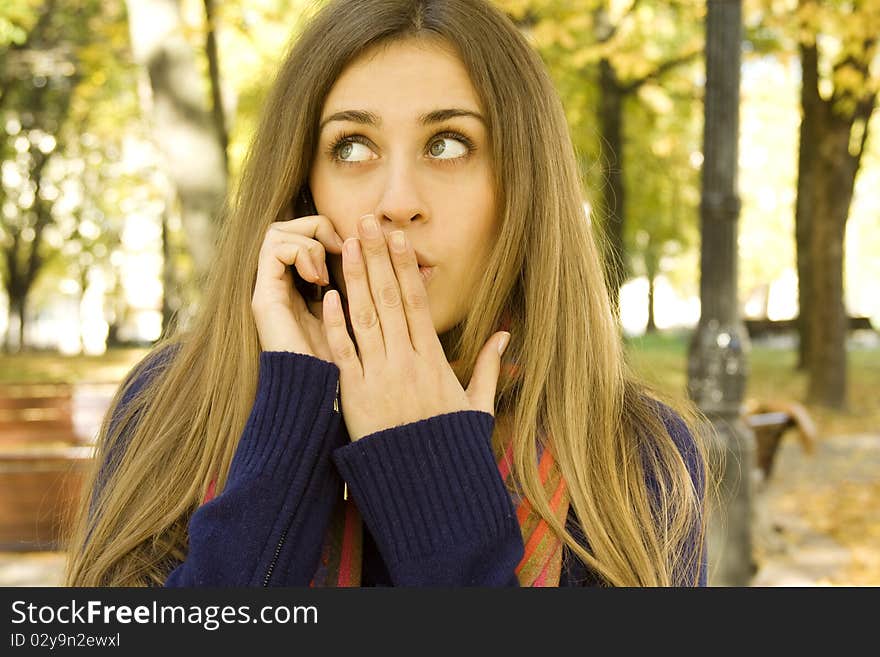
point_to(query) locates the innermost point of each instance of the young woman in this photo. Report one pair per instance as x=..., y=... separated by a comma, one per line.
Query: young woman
x=371, y=434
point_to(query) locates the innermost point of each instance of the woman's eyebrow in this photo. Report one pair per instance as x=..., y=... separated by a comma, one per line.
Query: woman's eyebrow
x=372, y=119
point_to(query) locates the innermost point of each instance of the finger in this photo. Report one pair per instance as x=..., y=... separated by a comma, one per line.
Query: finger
x=414, y=294
x=484, y=380
x=362, y=312
x=384, y=287
x=308, y=253
x=321, y=230
x=341, y=346
x=315, y=226
x=274, y=280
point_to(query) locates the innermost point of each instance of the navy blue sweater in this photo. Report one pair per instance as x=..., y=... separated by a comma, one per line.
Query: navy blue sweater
x=435, y=508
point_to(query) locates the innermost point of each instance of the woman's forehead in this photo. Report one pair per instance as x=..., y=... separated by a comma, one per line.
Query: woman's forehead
x=403, y=82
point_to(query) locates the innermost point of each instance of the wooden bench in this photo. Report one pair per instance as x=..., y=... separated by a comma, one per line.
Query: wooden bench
x=761, y=326
x=38, y=488
x=35, y=414
x=46, y=444
x=770, y=421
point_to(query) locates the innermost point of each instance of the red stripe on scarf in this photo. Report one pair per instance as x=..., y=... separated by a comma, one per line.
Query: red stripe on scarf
x=542, y=527
x=210, y=494
x=543, y=469
x=347, y=545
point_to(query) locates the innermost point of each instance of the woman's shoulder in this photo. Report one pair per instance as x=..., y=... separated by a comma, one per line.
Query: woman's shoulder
x=133, y=382
x=682, y=434
x=157, y=359
x=159, y=356
x=675, y=424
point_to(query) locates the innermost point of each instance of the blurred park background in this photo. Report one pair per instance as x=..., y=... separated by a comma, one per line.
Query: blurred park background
x=122, y=124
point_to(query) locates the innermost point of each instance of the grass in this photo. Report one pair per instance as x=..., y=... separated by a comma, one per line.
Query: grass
x=661, y=360
x=51, y=367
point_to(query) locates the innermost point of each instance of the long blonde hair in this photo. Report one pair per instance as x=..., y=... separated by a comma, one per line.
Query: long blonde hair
x=544, y=272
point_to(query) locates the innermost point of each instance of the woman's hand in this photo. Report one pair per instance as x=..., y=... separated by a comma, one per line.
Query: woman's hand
x=401, y=374
x=284, y=322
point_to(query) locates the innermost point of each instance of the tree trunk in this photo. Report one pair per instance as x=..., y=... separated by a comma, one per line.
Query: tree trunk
x=117, y=310
x=651, y=268
x=169, y=278
x=7, y=337
x=717, y=357
x=810, y=106
x=17, y=288
x=184, y=128
x=837, y=155
x=18, y=308
x=216, y=88
x=83, y=285
x=612, y=192
x=836, y=166
x=12, y=285
x=23, y=259
x=827, y=356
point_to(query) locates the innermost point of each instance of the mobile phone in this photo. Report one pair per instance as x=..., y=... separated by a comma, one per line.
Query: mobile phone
x=303, y=205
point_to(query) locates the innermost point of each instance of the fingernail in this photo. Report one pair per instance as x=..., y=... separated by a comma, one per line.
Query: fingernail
x=339, y=241
x=502, y=343
x=326, y=274
x=352, y=247
x=370, y=226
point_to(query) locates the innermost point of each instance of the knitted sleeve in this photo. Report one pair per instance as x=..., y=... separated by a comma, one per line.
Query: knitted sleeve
x=266, y=526
x=432, y=496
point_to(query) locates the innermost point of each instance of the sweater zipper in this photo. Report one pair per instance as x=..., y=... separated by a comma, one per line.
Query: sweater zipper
x=336, y=408
x=286, y=529
x=275, y=557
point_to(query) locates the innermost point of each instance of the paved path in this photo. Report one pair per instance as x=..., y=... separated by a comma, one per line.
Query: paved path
x=31, y=568
x=818, y=517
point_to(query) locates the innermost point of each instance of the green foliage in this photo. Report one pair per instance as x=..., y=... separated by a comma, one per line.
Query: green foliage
x=662, y=181
x=67, y=93
x=252, y=37
x=664, y=120
x=16, y=19
x=655, y=51
x=846, y=35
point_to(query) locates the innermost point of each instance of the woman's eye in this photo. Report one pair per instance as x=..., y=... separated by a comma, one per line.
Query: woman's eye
x=455, y=151
x=344, y=150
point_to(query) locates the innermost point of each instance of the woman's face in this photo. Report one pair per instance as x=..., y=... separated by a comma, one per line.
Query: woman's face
x=401, y=137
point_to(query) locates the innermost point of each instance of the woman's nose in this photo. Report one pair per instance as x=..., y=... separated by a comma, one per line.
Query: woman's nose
x=401, y=201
